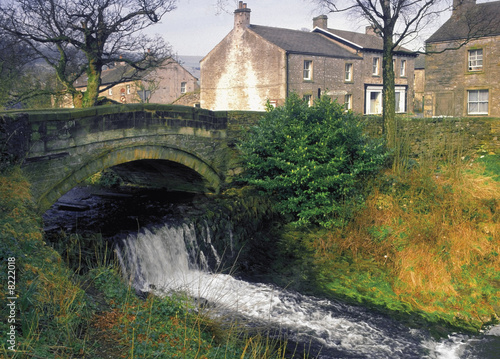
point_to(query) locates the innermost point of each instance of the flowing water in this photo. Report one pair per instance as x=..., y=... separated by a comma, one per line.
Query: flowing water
x=169, y=259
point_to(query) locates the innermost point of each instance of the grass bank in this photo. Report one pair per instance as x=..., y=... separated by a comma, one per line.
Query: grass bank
x=425, y=247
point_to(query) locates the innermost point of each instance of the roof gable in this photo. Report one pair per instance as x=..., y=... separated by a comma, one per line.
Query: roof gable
x=475, y=21
x=302, y=42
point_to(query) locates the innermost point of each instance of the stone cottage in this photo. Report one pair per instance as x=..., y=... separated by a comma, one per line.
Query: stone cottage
x=462, y=73
x=254, y=64
x=169, y=83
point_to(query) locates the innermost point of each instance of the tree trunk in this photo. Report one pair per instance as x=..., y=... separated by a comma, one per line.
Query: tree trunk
x=388, y=94
x=78, y=99
x=93, y=83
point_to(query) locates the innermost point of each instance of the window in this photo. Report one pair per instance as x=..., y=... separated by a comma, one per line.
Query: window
x=110, y=91
x=348, y=72
x=307, y=70
x=348, y=102
x=307, y=99
x=476, y=60
x=128, y=89
x=402, y=70
x=376, y=63
x=183, y=87
x=373, y=100
x=477, y=102
x=373, y=95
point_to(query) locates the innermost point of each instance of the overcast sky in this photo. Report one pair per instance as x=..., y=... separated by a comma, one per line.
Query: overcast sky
x=195, y=27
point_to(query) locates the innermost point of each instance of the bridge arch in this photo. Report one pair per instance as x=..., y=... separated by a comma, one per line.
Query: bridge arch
x=117, y=156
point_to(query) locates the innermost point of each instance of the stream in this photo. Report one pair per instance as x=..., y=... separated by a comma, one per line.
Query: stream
x=174, y=255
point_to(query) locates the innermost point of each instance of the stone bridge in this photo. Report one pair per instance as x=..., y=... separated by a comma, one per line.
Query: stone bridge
x=163, y=146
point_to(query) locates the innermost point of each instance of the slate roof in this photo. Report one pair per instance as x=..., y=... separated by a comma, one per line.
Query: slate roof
x=302, y=42
x=362, y=41
x=475, y=21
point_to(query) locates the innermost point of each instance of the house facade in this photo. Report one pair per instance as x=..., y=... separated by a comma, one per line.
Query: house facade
x=254, y=64
x=169, y=83
x=462, y=72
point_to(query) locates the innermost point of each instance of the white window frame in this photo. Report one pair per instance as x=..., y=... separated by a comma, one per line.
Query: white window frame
x=376, y=66
x=307, y=70
x=110, y=91
x=373, y=108
x=348, y=72
x=480, y=104
x=183, y=87
x=376, y=107
x=475, y=60
x=402, y=70
x=348, y=102
x=128, y=89
x=308, y=98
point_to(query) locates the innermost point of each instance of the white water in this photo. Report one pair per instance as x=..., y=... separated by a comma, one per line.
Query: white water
x=168, y=259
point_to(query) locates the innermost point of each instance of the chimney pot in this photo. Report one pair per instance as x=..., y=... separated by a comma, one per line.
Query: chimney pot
x=242, y=16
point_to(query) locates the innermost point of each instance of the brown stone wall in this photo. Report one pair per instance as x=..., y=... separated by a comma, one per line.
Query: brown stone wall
x=448, y=78
x=328, y=78
x=440, y=135
x=242, y=72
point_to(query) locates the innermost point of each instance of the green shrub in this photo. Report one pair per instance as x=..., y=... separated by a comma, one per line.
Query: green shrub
x=311, y=159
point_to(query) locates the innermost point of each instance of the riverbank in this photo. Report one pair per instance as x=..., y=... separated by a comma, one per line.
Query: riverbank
x=440, y=226
x=424, y=248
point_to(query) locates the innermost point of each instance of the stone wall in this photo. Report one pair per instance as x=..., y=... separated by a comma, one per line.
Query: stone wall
x=438, y=135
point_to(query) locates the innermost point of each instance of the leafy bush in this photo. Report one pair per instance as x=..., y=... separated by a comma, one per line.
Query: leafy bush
x=311, y=159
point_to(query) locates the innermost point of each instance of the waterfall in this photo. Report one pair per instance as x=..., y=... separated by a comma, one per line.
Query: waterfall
x=171, y=259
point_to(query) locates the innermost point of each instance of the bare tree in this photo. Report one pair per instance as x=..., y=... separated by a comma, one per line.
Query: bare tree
x=396, y=22
x=79, y=37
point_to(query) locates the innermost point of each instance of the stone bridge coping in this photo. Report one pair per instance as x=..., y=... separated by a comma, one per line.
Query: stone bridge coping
x=171, y=111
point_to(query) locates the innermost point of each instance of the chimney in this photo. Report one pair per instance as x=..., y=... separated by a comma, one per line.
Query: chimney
x=242, y=15
x=462, y=5
x=321, y=22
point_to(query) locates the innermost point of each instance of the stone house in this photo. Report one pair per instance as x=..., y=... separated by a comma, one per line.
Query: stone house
x=462, y=73
x=170, y=83
x=254, y=64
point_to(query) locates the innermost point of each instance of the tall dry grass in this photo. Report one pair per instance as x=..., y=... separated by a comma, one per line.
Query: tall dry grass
x=435, y=230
